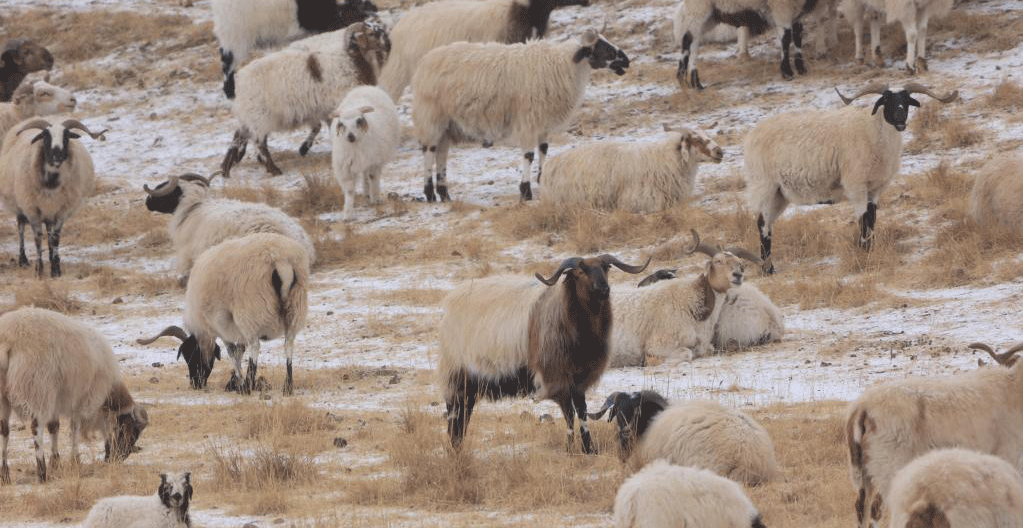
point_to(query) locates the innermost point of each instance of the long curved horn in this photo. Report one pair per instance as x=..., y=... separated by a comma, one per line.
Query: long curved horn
x=919, y=88
x=1005, y=358
x=76, y=124
x=608, y=404
x=172, y=330
x=38, y=124
x=701, y=247
x=874, y=88
x=172, y=184
x=744, y=254
x=193, y=177
x=611, y=259
x=566, y=264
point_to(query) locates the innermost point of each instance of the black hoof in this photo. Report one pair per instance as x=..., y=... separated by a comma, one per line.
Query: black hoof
x=695, y=80
x=786, y=71
x=55, y=269
x=800, y=66
x=304, y=149
x=229, y=86
x=234, y=384
x=23, y=261
x=428, y=192
x=442, y=190
x=525, y=192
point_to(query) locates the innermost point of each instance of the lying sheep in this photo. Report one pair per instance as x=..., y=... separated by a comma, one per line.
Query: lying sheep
x=892, y=423
x=493, y=92
x=199, y=222
x=168, y=508
x=44, y=178
x=826, y=156
x=242, y=291
x=957, y=487
x=663, y=495
x=39, y=99
x=434, y=24
x=701, y=434
x=998, y=192
x=912, y=14
x=18, y=59
x=365, y=132
x=52, y=366
x=636, y=177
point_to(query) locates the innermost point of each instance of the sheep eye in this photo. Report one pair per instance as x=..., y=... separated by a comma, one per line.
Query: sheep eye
x=360, y=122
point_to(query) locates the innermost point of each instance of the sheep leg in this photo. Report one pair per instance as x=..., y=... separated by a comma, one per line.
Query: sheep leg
x=309, y=140
x=786, y=39
x=289, y=350
x=22, y=258
x=442, y=169
x=37, y=232
x=226, y=64
x=769, y=212
x=429, y=160
x=687, y=64
x=53, y=242
x=909, y=26
x=525, y=193
x=565, y=401
x=855, y=17
x=543, y=155
x=349, y=191
x=236, y=352
x=921, y=44
x=797, y=40
x=579, y=399
x=76, y=431
x=235, y=152
x=267, y=160
x=875, y=40
x=867, y=220
x=373, y=185
x=53, y=427
x=459, y=412
x=250, y=374
x=5, y=432
x=37, y=440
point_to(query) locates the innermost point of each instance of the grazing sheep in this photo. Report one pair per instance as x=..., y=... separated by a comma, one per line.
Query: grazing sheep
x=506, y=336
x=826, y=156
x=39, y=99
x=301, y=86
x=912, y=14
x=44, y=178
x=892, y=423
x=365, y=132
x=957, y=487
x=636, y=177
x=493, y=92
x=52, y=366
x=675, y=316
x=434, y=24
x=701, y=434
x=168, y=508
x=199, y=222
x=664, y=495
x=18, y=59
x=243, y=25
x=998, y=192
x=242, y=291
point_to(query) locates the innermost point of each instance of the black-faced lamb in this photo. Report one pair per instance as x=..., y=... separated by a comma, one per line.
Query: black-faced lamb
x=243, y=25
x=826, y=156
x=998, y=192
x=365, y=132
x=39, y=99
x=509, y=336
x=701, y=434
x=46, y=174
x=636, y=177
x=913, y=15
x=243, y=291
x=494, y=92
x=53, y=367
x=18, y=59
x=167, y=508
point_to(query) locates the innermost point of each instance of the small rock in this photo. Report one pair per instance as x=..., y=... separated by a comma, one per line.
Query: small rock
x=154, y=380
x=265, y=396
x=395, y=379
x=249, y=525
x=340, y=442
x=806, y=362
x=117, y=300
x=544, y=418
x=434, y=403
x=157, y=364
x=330, y=312
x=278, y=521
x=825, y=364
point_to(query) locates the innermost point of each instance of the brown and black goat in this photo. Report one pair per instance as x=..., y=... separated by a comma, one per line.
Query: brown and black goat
x=18, y=59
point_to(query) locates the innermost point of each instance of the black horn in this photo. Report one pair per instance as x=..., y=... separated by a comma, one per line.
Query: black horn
x=566, y=265
x=611, y=259
x=701, y=247
x=608, y=404
x=76, y=124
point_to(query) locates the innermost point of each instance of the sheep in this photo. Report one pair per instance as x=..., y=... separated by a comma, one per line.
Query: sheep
x=701, y=434
x=301, y=86
x=664, y=495
x=242, y=291
x=505, y=336
x=18, y=59
x=365, y=132
x=998, y=191
x=912, y=14
x=637, y=177
x=695, y=17
x=199, y=222
x=441, y=22
x=826, y=156
x=44, y=179
x=957, y=487
x=491, y=92
x=243, y=25
x=168, y=508
x=669, y=317
x=39, y=99
x=892, y=423
x=52, y=366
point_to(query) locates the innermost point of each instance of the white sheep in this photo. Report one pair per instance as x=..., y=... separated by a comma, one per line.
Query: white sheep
x=892, y=423
x=365, y=133
x=636, y=177
x=168, y=508
x=199, y=222
x=243, y=25
x=998, y=192
x=242, y=291
x=38, y=99
x=45, y=177
x=664, y=495
x=912, y=14
x=495, y=92
x=748, y=318
x=826, y=156
x=53, y=367
x=957, y=487
x=434, y=24
x=299, y=86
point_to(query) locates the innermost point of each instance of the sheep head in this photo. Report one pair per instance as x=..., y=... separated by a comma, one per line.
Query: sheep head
x=43, y=99
x=694, y=145
x=1006, y=359
x=724, y=270
x=351, y=125
x=175, y=492
x=587, y=277
x=129, y=420
x=25, y=56
x=368, y=47
x=896, y=104
x=55, y=145
x=633, y=411
x=166, y=197
x=351, y=11
x=601, y=53
x=199, y=367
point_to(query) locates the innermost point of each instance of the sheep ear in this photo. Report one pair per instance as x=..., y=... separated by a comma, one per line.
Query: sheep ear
x=366, y=109
x=163, y=478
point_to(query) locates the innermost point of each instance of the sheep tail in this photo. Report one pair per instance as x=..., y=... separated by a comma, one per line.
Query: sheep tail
x=283, y=281
x=854, y=433
x=5, y=353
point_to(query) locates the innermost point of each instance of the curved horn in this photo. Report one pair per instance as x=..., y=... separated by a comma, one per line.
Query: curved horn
x=140, y=415
x=744, y=254
x=608, y=404
x=76, y=124
x=38, y=124
x=919, y=88
x=172, y=330
x=701, y=247
x=611, y=259
x=566, y=264
x=172, y=184
x=193, y=177
x=874, y=88
x=1005, y=358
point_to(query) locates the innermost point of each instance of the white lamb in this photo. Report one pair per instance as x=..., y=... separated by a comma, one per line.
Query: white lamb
x=168, y=508
x=37, y=99
x=365, y=132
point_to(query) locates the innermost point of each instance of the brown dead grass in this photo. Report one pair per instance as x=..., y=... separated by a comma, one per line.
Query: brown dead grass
x=319, y=194
x=989, y=32
x=932, y=129
x=1007, y=94
x=48, y=294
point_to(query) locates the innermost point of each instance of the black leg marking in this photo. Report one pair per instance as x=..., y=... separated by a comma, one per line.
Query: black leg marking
x=867, y=225
x=683, y=64
x=543, y=148
x=309, y=140
x=565, y=402
x=268, y=162
x=289, y=387
x=22, y=257
x=695, y=81
x=459, y=415
x=53, y=240
x=861, y=501
x=37, y=232
x=442, y=187
x=797, y=39
x=428, y=190
x=765, y=245
x=786, y=68
x=579, y=400
x=40, y=460
x=53, y=428
x=250, y=378
x=525, y=192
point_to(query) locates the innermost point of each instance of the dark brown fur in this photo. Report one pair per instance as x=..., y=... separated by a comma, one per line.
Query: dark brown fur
x=313, y=65
x=18, y=59
x=119, y=400
x=704, y=289
x=930, y=517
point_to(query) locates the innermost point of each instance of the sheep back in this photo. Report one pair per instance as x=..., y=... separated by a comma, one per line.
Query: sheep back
x=998, y=192
x=132, y=512
x=241, y=24
x=380, y=144
x=748, y=318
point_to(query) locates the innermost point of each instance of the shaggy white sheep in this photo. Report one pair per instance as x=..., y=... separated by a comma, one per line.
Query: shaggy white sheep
x=912, y=14
x=365, y=134
x=38, y=99
x=168, y=508
x=998, y=192
x=748, y=318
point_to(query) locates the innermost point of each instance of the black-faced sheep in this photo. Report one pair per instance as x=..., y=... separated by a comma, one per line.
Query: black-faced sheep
x=18, y=59
x=168, y=508
x=40, y=99
x=998, y=192
x=494, y=92
x=912, y=14
x=52, y=366
x=365, y=133
x=509, y=336
x=827, y=156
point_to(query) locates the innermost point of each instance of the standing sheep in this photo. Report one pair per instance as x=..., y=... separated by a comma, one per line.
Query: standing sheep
x=39, y=99
x=168, y=508
x=826, y=156
x=912, y=14
x=492, y=92
x=998, y=193
x=18, y=59
x=636, y=177
x=52, y=366
x=365, y=134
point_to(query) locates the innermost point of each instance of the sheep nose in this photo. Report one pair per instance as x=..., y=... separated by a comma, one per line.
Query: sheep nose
x=176, y=496
x=351, y=137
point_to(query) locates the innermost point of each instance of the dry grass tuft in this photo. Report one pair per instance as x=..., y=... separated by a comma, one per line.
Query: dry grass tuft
x=262, y=468
x=931, y=129
x=290, y=418
x=48, y=294
x=320, y=194
x=1006, y=95
x=266, y=194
